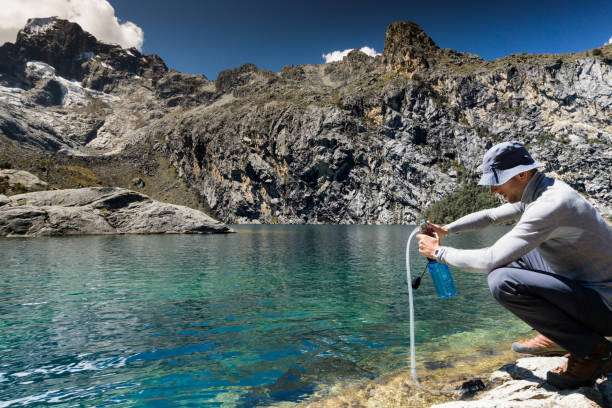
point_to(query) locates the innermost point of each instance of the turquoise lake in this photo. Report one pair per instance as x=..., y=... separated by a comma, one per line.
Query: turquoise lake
x=268, y=314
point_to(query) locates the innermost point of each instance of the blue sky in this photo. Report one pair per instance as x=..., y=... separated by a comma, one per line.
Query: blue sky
x=205, y=37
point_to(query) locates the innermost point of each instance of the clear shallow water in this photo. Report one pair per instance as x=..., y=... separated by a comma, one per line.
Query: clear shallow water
x=244, y=319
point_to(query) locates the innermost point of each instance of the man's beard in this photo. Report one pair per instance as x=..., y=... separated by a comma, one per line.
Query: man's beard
x=501, y=198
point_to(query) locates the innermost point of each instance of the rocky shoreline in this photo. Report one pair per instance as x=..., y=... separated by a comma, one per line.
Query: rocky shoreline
x=523, y=384
x=518, y=384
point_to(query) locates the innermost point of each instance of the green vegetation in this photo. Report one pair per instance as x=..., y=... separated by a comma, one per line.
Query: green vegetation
x=510, y=108
x=467, y=199
x=95, y=107
x=7, y=189
x=438, y=98
x=446, y=165
x=4, y=185
x=546, y=138
x=596, y=141
x=336, y=100
x=484, y=133
x=81, y=175
x=462, y=66
x=395, y=77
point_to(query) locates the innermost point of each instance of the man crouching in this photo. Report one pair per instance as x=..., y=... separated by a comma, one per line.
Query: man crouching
x=553, y=269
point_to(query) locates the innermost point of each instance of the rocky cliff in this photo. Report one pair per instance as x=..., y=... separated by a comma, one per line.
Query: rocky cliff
x=363, y=140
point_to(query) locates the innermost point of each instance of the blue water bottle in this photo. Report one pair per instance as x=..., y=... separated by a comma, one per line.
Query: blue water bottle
x=442, y=279
x=441, y=276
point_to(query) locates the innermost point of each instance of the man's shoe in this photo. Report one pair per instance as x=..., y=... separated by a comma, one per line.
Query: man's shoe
x=578, y=372
x=538, y=346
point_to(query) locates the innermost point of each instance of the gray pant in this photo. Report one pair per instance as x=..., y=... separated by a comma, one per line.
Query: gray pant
x=563, y=310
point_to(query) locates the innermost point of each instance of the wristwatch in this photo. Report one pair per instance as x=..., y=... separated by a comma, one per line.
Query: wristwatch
x=437, y=253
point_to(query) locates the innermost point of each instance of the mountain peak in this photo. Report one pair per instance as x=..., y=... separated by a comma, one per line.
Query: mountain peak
x=38, y=25
x=53, y=31
x=76, y=54
x=408, y=48
x=59, y=43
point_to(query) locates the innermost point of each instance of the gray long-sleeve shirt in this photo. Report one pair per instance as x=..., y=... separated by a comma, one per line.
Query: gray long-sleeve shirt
x=569, y=233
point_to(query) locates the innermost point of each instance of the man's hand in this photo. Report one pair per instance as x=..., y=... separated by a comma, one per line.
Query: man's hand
x=427, y=244
x=441, y=231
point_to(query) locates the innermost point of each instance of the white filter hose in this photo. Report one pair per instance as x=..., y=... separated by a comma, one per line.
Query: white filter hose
x=412, y=346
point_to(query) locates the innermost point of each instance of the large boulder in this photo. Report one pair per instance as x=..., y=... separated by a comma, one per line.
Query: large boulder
x=98, y=211
x=20, y=181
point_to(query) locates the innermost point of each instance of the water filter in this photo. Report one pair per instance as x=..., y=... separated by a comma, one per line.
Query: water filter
x=441, y=276
x=442, y=279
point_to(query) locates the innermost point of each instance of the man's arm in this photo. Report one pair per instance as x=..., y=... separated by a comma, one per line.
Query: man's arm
x=533, y=229
x=477, y=220
x=484, y=218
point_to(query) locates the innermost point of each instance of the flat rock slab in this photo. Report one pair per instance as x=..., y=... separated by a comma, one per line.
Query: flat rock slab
x=105, y=210
x=523, y=385
x=26, y=180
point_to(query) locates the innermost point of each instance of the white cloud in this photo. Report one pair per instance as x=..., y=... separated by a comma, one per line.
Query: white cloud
x=94, y=16
x=609, y=41
x=338, y=55
x=369, y=51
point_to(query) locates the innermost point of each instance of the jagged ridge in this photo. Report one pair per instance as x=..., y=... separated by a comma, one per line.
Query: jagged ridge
x=361, y=140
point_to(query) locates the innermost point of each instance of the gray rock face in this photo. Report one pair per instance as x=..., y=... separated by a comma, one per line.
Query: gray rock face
x=363, y=140
x=523, y=385
x=24, y=179
x=377, y=145
x=295, y=165
x=98, y=211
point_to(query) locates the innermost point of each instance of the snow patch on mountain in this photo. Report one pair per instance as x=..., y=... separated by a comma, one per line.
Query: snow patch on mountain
x=11, y=96
x=38, y=26
x=39, y=69
x=85, y=56
x=73, y=92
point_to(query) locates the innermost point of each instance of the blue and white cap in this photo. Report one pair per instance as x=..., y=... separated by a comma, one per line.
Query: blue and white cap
x=504, y=161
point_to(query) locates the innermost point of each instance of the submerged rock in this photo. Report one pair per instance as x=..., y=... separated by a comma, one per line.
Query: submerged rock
x=89, y=211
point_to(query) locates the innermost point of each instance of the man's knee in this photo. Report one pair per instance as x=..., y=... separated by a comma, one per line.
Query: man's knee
x=502, y=284
x=495, y=280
